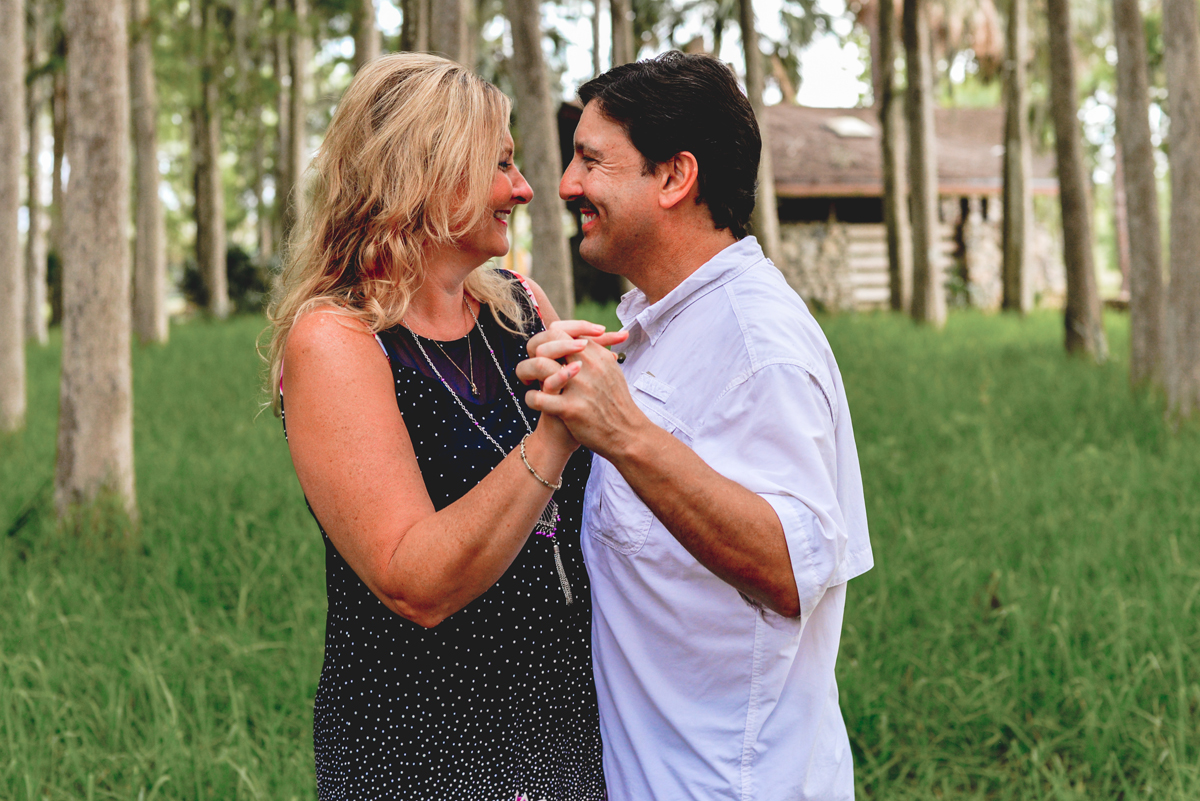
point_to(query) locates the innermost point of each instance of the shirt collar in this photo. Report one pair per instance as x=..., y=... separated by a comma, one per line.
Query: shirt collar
x=714, y=273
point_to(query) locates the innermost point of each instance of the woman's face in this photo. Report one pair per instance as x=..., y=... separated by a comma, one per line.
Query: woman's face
x=509, y=188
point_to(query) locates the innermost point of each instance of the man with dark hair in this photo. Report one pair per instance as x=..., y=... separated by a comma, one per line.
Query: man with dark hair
x=725, y=510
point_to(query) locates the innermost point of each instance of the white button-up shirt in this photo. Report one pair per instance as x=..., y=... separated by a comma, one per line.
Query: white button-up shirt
x=702, y=696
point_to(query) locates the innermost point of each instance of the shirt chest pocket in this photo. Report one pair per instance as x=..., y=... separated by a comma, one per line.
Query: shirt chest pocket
x=613, y=513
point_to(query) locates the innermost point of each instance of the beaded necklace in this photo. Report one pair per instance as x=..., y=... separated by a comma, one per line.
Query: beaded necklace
x=547, y=522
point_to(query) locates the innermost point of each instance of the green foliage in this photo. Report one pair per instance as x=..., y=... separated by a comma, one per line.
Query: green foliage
x=1028, y=632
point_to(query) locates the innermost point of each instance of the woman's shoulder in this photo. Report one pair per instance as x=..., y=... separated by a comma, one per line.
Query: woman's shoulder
x=330, y=335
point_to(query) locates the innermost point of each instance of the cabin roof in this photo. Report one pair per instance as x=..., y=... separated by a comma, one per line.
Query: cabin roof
x=831, y=152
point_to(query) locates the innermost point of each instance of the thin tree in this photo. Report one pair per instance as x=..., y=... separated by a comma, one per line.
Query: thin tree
x=366, y=32
x=299, y=51
x=150, y=250
x=414, y=33
x=538, y=130
x=1141, y=196
x=929, y=297
x=283, y=179
x=12, y=270
x=206, y=154
x=765, y=218
x=1181, y=40
x=35, y=238
x=58, y=126
x=449, y=30
x=895, y=182
x=596, y=6
x=1084, y=329
x=624, y=48
x=1017, y=218
x=95, y=425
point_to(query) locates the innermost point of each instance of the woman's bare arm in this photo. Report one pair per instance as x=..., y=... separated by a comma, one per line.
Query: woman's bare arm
x=356, y=464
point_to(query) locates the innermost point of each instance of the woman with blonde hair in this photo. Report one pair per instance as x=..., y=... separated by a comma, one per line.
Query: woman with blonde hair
x=457, y=655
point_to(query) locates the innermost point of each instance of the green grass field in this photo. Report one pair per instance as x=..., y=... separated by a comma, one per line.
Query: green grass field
x=1029, y=631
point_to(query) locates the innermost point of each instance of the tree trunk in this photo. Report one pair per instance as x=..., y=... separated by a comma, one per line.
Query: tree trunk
x=537, y=127
x=624, y=49
x=298, y=58
x=58, y=119
x=414, y=35
x=764, y=219
x=283, y=118
x=1146, y=339
x=1181, y=40
x=12, y=268
x=895, y=183
x=929, y=296
x=210, y=192
x=35, y=239
x=95, y=425
x=366, y=32
x=596, y=6
x=1084, y=328
x=1121, y=218
x=449, y=30
x=1017, y=217
x=150, y=250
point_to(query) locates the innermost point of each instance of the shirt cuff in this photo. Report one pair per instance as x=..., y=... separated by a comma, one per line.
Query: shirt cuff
x=814, y=552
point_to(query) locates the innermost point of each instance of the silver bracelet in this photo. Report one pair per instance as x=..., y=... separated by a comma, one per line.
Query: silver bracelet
x=528, y=466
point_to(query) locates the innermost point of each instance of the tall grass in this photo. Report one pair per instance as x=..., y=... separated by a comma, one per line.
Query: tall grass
x=1029, y=630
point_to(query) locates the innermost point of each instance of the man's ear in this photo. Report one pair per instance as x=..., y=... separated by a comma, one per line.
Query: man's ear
x=677, y=178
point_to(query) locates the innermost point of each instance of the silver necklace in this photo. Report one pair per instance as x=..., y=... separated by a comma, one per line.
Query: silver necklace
x=470, y=355
x=547, y=522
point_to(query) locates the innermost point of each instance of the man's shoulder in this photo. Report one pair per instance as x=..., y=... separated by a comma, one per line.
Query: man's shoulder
x=776, y=324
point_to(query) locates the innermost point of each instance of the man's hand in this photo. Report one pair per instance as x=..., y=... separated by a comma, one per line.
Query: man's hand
x=597, y=408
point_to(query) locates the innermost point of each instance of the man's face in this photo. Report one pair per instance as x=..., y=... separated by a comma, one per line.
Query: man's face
x=619, y=201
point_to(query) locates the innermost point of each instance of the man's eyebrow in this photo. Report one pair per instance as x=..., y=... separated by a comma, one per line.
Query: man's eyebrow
x=587, y=150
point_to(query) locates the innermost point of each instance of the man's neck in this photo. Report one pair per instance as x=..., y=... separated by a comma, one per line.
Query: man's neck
x=676, y=258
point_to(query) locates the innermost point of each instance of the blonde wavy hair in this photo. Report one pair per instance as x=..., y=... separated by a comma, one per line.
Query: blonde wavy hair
x=407, y=163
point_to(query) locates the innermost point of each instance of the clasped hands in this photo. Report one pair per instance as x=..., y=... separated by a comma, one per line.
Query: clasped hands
x=588, y=393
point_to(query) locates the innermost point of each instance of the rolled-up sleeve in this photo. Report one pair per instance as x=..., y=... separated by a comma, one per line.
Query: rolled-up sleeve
x=773, y=433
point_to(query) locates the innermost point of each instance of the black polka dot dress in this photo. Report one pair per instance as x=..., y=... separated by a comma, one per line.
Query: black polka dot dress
x=496, y=703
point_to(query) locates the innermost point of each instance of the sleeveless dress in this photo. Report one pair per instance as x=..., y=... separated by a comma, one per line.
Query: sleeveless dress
x=497, y=702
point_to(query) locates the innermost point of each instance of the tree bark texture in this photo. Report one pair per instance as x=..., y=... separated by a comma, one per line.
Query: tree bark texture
x=210, y=192
x=538, y=129
x=893, y=142
x=1146, y=308
x=366, y=33
x=414, y=33
x=449, y=29
x=1084, y=329
x=12, y=266
x=929, y=296
x=764, y=219
x=299, y=54
x=1017, y=218
x=35, y=239
x=95, y=427
x=150, y=248
x=624, y=49
x=1181, y=39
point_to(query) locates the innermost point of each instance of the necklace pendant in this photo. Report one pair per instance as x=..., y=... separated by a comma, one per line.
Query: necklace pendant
x=562, y=575
x=474, y=390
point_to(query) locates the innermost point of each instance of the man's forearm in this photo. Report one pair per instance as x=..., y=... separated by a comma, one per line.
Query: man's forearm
x=726, y=527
